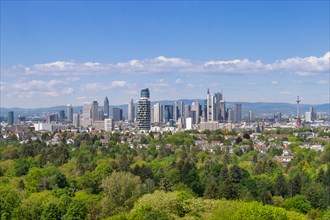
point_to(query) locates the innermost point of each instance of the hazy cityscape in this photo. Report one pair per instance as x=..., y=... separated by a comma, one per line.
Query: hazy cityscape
x=164, y=110
x=212, y=114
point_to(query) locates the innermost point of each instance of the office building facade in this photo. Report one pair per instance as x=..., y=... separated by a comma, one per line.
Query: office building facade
x=106, y=108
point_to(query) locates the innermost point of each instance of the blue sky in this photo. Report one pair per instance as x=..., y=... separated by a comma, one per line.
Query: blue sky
x=55, y=53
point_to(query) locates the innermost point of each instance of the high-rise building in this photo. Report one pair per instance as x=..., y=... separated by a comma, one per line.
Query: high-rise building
x=308, y=116
x=189, y=123
x=157, y=110
x=251, y=116
x=108, y=124
x=70, y=113
x=52, y=118
x=86, y=119
x=237, y=113
x=187, y=110
x=143, y=111
x=101, y=114
x=117, y=114
x=176, y=112
x=61, y=115
x=10, y=118
x=210, y=108
x=313, y=113
x=21, y=118
x=95, y=111
x=231, y=115
x=181, y=109
x=168, y=113
x=223, y=111
x=217, y=106
x=204, y=114
x=106, y=108
x=278, y=117
x=131, y=111
x=76, y=120
x=195, y=108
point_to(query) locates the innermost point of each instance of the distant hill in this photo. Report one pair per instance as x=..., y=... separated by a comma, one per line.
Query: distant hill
x=257, y=107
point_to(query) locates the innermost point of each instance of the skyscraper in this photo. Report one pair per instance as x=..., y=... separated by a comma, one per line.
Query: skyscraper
x=313, y=113
x=157, y=110
x=231, y=115
x=61, y=115
x=210, y=111
x=181, y=109
x=204, y=114
x=217, y=106
x=251, y=116
x=131, y=111
x=223, y=111
x=116, y=114
x=75, y=120
x=70, y=113
x=86, y=119
x=195, y=107
x=10, y=118
x=106, y=108
x=95, y=111
x=237, y=113
x=143, y=112
x=176, y=112
x=187, y=110
x=101, y=114
x=168, y=113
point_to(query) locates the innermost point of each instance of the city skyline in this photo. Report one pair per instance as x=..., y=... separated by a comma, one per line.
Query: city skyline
x=253, y=51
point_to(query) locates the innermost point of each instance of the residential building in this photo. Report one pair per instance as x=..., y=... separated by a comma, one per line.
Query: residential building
x=143, y=112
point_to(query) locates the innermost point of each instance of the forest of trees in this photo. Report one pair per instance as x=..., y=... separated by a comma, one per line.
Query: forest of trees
x=169, y=178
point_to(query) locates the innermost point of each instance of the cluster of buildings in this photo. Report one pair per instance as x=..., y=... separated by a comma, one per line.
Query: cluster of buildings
x=210, y=114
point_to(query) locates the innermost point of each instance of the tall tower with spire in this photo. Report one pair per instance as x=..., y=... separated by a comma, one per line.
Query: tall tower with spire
x=298, y=115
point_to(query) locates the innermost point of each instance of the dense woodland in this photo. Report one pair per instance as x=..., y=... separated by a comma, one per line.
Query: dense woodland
x=169, y=178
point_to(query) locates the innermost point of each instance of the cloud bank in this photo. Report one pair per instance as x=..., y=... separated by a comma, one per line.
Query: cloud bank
x=307, y=66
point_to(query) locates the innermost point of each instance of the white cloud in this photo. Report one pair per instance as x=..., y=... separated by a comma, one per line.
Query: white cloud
x=178, y=81
x=37, y=88
x=322, y=82
x=97, y=86
x=189, y=85
x=285, y=93
x=274, y=82
x=307, y=66
x=116, y=84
